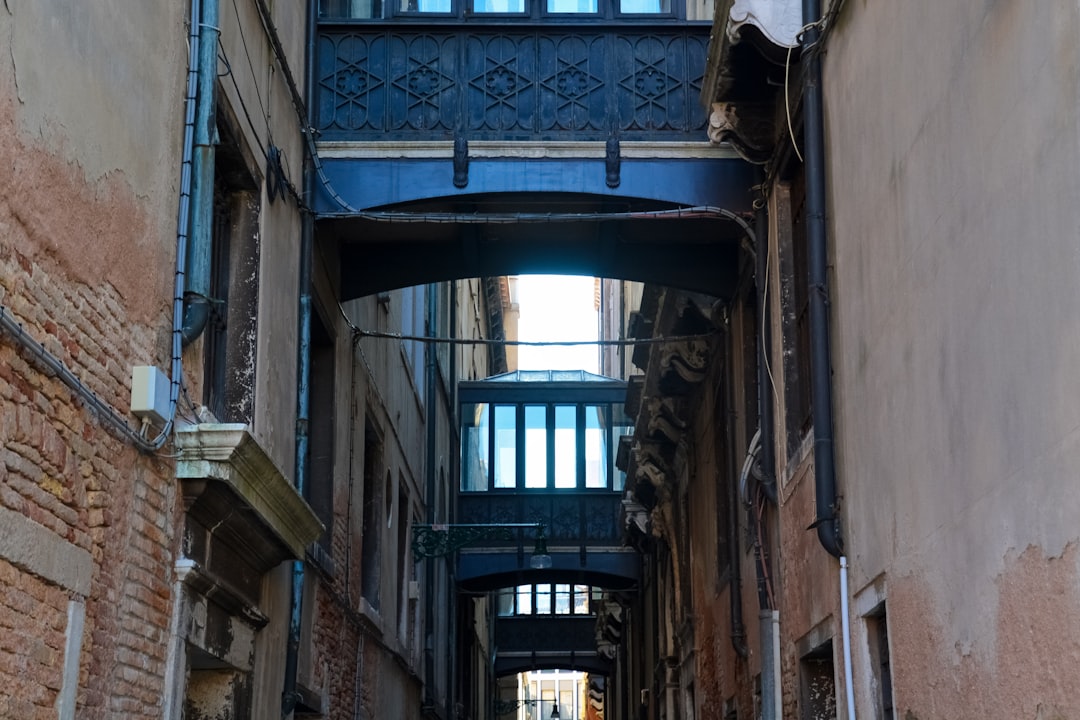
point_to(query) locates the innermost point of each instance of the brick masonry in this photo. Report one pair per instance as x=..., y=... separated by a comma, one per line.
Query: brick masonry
x=61, y=470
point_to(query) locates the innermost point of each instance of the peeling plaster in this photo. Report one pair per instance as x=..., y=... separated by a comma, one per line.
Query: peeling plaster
x=1022, y=664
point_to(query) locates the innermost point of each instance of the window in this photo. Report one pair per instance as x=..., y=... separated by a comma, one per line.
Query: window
x=817, y=685
x=621, y=425
x=566, y=465
x=795, y=316
x=371, y=530
x=597, y=443
x=319, y=489
x=644, y=7
x=499, y=6
x=536, y=469
x=546, y=599
x=413, y=306
x=505, y=446
x=571, y=6
x=425, y=6
x=474, y=447
x=877, y=635
x=404, y=577
x=694, y=10
x=229, y=360
x=540, y=446
x=360, y=9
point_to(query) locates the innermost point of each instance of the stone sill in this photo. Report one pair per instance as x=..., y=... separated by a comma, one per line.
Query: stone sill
x=230, y=455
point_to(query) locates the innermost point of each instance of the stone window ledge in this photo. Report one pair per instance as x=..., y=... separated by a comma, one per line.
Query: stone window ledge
x=232, y=487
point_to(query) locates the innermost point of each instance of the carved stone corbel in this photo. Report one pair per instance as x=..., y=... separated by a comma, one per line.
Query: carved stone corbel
x=749, y=128
x=663, y=419
x=688, y=359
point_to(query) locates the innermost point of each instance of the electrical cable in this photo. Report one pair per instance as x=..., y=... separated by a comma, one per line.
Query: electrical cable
x=254, y=78
x=50, y=363
x=765, y=318
x=696, y=212
x=528, y=343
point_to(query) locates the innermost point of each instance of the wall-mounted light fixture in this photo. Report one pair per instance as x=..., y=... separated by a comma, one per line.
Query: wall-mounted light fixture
x=439, y=540
x=503, y=707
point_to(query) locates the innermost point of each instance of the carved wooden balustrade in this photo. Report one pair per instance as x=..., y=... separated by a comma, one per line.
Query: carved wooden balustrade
x=523, y=83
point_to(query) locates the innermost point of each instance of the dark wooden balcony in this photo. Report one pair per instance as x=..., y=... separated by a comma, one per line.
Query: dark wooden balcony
x=504, y=82
x=538, y=448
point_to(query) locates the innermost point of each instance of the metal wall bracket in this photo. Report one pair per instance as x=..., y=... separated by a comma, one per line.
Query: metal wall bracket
x=612, y=162
x=461, y=162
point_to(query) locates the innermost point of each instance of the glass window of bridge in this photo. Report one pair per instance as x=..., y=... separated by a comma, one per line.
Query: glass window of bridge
x=546, y=599
x=543, y=599
x=644, y=7
x=562, y=446
x=504, y=7
x=694, y=10
x=621, y=425
x=536, y=446
x=474, y=446
x=505, y=446
x=596, y=445
x=572, y=6
x=566, y=446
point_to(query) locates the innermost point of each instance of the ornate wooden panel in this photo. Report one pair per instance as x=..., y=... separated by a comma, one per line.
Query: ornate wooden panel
x=570, y=517
x=493, y=84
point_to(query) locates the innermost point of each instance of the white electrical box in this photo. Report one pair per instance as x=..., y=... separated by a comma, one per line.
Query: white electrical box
x=150, y=394
x=414, y=590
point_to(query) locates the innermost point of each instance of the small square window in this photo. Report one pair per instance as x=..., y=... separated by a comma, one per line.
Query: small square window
x=498, y=7
x=645, y=7
x=572, y=6
x=426, y=6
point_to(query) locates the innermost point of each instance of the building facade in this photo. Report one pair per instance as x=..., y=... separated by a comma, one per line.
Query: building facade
x=249, y=250
x=242, y=552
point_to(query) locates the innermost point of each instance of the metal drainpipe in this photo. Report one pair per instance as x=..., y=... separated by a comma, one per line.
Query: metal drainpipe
x=197, y=292
x=303, y=395
x=432, y=510
x=827, y=520
x=738, y=628
x=766, y=419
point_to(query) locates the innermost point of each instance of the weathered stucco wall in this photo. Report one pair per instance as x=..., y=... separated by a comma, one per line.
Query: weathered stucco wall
x=89, y=146
x=953, y=144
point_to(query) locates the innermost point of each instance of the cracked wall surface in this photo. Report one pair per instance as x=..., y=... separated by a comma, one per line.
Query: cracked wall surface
x=89, y=153
x=953, y=144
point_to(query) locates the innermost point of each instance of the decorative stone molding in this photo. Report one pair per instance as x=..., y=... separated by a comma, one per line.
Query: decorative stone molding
x=688, y=359
x=650, y=466
x=778, y=21
x=635, y=515
x=663, y=419
x=748, y=127
x=243, y=516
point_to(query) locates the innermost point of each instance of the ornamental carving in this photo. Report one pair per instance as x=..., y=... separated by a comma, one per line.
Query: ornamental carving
x=530, y=84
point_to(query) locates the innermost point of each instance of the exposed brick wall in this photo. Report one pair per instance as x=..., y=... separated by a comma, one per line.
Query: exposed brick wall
x=61, y=469
x=33, y=617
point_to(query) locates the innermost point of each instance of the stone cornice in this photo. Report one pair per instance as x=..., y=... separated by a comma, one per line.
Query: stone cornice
x=229, y=454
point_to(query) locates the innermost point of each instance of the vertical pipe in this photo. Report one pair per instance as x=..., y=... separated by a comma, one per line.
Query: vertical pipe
x=431, y=368
x=764, y=338
x=196, y=295
x=778, y=690
x=767, y=629
x=845, y=626
x=303, y=395
x=827, y=521
x=738, y=629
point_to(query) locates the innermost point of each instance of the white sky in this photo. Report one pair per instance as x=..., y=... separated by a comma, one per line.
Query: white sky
x=557, y=307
